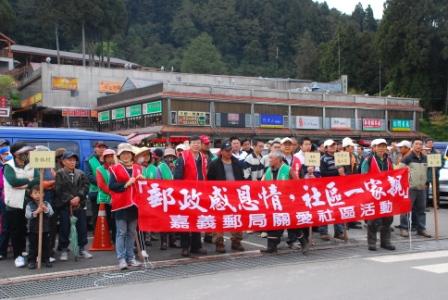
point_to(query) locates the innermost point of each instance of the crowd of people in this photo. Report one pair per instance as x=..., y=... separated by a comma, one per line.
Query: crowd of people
x=109, y=175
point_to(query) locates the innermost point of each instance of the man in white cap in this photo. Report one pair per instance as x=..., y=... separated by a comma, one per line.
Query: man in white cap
x=378, y=161
x=405, y=148
x=328, y=169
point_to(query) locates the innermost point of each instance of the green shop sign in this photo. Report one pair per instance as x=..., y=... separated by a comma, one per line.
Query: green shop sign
x=118, y=113
x=103, y=116
x=134, y=111
x=152, y=108
x=401, y=125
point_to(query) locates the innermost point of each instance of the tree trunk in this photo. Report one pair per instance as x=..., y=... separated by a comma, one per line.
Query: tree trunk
x=83, y=44
x=108, y=55
x=56, y=33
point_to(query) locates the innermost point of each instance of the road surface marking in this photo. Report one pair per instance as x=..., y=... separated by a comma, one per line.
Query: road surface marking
x=437, y=268
x=409, y=257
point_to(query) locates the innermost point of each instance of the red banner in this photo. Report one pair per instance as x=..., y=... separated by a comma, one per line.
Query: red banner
x=214, y=206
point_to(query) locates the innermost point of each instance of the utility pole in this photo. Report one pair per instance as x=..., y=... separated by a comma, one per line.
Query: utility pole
x=339, y=54
x=379, y=80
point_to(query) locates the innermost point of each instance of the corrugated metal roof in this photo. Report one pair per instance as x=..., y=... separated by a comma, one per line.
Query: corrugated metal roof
x=63, y=54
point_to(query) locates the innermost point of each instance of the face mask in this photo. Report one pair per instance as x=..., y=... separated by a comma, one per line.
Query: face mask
x=7, y=158
x=140, y=160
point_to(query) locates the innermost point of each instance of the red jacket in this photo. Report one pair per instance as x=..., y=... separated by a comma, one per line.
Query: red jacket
x=190, y=170
x=124, y=199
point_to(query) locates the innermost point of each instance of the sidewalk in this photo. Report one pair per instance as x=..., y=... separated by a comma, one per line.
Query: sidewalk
x=106, y=261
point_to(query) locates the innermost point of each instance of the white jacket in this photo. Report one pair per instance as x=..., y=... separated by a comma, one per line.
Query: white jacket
x=15, y=197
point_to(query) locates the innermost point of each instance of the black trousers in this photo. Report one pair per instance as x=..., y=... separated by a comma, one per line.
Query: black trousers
x=17, y=230
x=191, y=240
x=34, y=243
x=383, y=226
x=294, y=234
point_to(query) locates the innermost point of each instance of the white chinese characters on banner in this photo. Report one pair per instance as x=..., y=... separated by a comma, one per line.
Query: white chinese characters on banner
x=304, y=217
x=257, y=220
x=179, y=222
x=191, y=200
x=231, y=221
x=220, y=202
x=273, y=197
x=158, y=197
x=245, y=199
x=281, y=219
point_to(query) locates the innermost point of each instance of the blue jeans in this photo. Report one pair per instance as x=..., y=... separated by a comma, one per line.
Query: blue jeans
x=125, y=238
x=418, y=204
x=338, y=229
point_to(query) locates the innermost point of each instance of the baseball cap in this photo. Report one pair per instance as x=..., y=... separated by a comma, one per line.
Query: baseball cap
x=286, y=140
x=329, y=142
x=377, y=142
x=277, y=140
x=347, y=142
x=404, y=143
x=226, y=145
x=158, y=152
x=100, y=143
x=69, y=154
x=4, y=142
x=181, y=147
x=108, y=152
x=20, y=147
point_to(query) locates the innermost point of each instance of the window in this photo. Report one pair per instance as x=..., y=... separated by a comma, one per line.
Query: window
x=53, y=145
x=110, y=144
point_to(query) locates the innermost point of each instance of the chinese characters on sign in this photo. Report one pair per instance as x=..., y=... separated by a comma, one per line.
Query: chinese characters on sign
x=239, y=205
x=42, y=159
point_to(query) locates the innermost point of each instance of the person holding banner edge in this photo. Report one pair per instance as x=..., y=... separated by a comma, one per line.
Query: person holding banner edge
x=278, y=170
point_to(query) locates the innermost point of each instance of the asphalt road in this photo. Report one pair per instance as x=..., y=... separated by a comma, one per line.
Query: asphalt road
x=404, y=276
x=251, y=242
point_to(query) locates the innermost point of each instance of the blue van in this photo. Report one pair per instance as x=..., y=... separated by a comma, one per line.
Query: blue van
x=80, y=142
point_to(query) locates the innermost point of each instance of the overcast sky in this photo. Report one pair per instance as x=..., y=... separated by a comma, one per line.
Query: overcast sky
x=347, y=6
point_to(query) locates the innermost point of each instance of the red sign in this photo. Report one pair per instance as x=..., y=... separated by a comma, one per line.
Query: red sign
x=3, y=102
x=80, y=113
x=214, y=206
x=373, y=124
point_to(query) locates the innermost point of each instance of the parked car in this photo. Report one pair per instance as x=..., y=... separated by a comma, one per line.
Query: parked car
x=443, y=184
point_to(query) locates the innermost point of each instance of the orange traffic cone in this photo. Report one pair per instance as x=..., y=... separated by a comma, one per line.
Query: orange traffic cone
x=101, y=240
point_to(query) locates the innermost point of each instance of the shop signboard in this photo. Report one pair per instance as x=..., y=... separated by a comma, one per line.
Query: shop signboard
x=308, y=122
x=341, y=123
x=400, y=125
x=271, y=121
x=373, y=124
x=152, y=108
x=193, y=118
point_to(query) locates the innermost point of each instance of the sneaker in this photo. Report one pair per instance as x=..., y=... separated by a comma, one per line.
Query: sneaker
x=85, y=254
x=293, y=245
x=1, y=257
x=404, y=233
x=134, y=263
x=144, y=254
x=64, y=256
x=24, y=254
x=122, y=264
x=52, y=259
x=424, y=233
x=264, y=235
x=19, y=262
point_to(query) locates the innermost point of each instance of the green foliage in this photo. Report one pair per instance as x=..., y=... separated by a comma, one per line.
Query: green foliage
x=201, y=56
x=270, y=38
x=7, y=85
x=436, y=127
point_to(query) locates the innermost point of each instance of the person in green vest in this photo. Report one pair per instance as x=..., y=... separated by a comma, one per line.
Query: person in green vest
x=103, y=178
x=90, y=166
x=143, y=157
x=165, y=172
x=279, y=170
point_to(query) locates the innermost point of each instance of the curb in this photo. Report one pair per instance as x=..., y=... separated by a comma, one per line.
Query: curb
x=184, y=261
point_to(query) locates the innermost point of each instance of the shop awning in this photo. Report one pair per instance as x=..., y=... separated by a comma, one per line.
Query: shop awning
x=140, y=137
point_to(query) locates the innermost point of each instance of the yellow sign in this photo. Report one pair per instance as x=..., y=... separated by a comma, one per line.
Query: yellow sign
x=64, y=83
x=36, y=98
x=342, y=158
x=434, y=160
x=42, y=159
x=110, y=87
x=312, y=159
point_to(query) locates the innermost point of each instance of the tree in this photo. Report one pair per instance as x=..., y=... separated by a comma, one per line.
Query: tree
x=370, y=24
x=7, y=17
x=201, y=56
x=307, y=59
x=359, y=16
